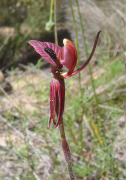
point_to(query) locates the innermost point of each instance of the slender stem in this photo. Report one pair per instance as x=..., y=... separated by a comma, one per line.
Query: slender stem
x=66, y=149
x=93, y=84
x=77, y=46
x=55, y=21
x=51, y=10
x=75, y=28
x=76, y=39
x=82, y=29
x=65, y=146
x=72, y=134
x=86, y=51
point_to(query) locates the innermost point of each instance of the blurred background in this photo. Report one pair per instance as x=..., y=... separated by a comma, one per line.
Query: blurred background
x=95, y=124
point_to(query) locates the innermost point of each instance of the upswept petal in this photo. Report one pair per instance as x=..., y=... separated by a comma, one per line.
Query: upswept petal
x=66, y=75
x=40, y=46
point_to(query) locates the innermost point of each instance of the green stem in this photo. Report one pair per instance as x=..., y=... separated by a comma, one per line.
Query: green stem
x=66, y=149
x=55, y=21
x=86, y=51
x=93, y=84
x=51, y=10
x=75, y=28
x=77, y=46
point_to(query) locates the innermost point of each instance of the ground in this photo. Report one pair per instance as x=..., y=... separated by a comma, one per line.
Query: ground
x=30, y=151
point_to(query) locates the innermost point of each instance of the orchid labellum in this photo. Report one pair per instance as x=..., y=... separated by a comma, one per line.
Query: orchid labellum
x=58, y=57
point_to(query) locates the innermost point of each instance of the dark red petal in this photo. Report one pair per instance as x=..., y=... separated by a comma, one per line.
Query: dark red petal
x=53, y=93
x=60, y=100
x=68, y=55
x=87, y=61
x=57, y=98
x=39, y=47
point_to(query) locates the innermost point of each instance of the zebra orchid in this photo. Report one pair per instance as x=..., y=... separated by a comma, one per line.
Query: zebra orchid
x=59, y=57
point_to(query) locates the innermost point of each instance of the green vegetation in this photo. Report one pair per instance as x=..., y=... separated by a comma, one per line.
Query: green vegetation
x=92, y=145
x=95, y=132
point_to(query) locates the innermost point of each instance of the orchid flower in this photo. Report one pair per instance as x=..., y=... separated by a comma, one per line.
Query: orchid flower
x=58, y=57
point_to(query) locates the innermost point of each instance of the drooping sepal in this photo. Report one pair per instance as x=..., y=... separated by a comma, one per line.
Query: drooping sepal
x=57, y=98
